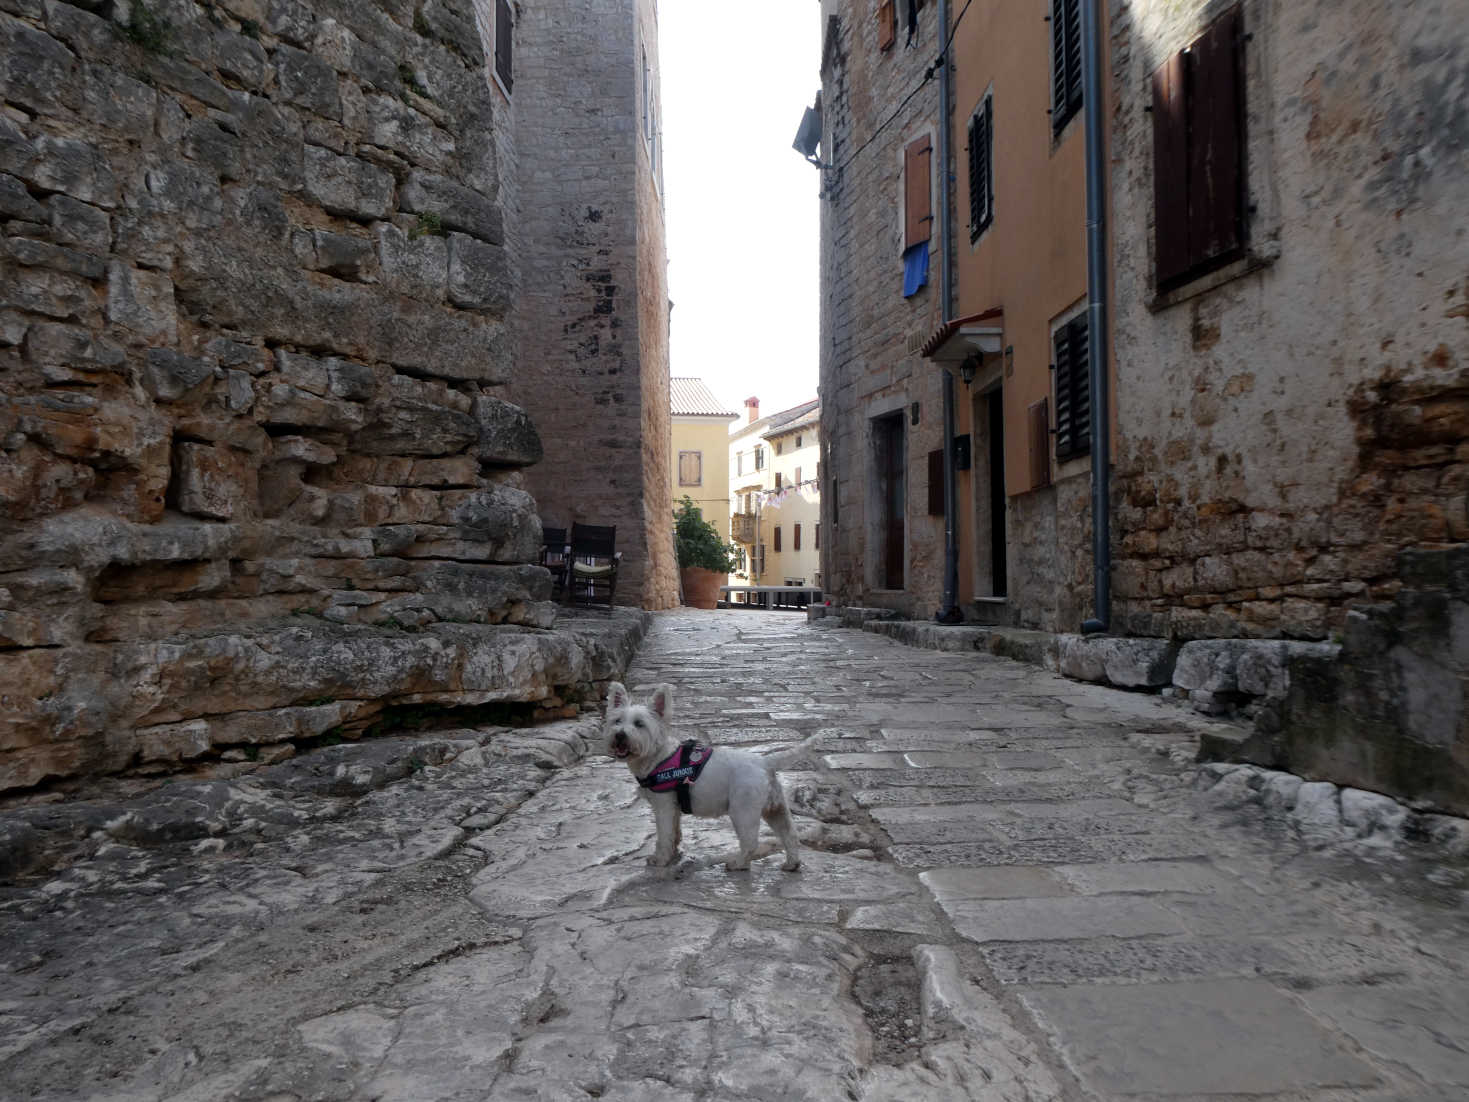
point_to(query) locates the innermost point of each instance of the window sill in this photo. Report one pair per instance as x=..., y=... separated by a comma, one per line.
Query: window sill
x=1209, y=281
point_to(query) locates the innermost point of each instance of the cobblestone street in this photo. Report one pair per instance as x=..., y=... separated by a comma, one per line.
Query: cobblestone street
x=1013, y=888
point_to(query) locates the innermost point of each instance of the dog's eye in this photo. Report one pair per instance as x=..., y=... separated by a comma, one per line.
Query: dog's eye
x=637, y=722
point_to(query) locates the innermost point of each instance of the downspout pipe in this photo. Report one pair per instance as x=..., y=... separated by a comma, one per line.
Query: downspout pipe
x=1096, y=290
x=950, y=612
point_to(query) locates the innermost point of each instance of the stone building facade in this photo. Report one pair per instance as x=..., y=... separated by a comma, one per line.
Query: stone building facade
x=593, y=316
x=259, y=477
x=881, y=401
x=1296, y=413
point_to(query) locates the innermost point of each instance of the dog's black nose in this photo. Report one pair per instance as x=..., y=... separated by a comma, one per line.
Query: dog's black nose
x=619, y=740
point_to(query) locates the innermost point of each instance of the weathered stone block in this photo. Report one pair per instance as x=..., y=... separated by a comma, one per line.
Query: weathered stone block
x=479, y=275
x=39, y=72
x=169, y=375
x=1263, y=669
x=56, y=294
x=404, y=426
x=219, y=483
x=72, y=346
x=504, y=518
x=286, y=405
x=143, y=302
x=306, y=372
x=1209, y=665
x=346, y=185
x=345, y=257
x=214, y=147
x=239, y=391
x=242, y=60
x=353, y=381
x=16, y=201
x=418, y=267
x=307, y=81
x=273, y=135
x=118, y=102
x=228, y=353
x=507, y=436
x=1124, y=662
x=458, y=207
x=32, y=253
x=392, y=124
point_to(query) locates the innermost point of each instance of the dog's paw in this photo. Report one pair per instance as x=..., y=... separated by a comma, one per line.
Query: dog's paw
x=661, y=862
x=735, y=865
x=791, y=864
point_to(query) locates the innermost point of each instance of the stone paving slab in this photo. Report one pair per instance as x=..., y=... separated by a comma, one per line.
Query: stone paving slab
x=1132, y=1040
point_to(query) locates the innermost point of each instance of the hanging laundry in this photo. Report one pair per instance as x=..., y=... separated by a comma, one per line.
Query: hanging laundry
x=915, y=269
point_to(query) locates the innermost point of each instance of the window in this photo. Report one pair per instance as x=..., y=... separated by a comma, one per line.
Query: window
x=798, y=441
x=691, y=468
x=1038, y=417
x=777, y=486
x=887, y=25
x=760, y=560
x=759, y=458
x=739, y=462
x=816, y=538
x=1065, y=62
x=796, y=537
x=917, y=192
x=1072, y=371
x=777, y=539
x=797, y=478
x=1199, y=154
x=502, y=45
x=779, y=446
x=981, y=168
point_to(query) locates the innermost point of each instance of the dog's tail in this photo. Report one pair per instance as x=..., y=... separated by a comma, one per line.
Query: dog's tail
x=784, y=759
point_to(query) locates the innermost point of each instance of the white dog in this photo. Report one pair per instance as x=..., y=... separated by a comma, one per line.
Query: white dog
x=699, y=780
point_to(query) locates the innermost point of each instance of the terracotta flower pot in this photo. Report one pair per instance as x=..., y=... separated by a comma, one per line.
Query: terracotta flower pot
x=701, y=587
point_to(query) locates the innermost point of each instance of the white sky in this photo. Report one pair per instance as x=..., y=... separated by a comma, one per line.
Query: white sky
x=742, y=206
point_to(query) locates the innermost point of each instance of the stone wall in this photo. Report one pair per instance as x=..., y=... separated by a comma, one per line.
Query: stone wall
x=592, y=321
x=258, y=475
x=1291, y=423
x=870, y=333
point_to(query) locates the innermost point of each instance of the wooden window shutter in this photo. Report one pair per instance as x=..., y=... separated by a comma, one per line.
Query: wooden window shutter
x=1170, y=170
x=796, y=537
x=1038, y=416
x=918, y=191
x=1215, y=132
x=502, y=43
x=797, y=477
x=936, y=483
x=816, y=538
x=887, y=25
x=777, y=480
x=1065, y=61
x=1073, y=390
x=690, y=468
x=981, y=168
x=777, y=539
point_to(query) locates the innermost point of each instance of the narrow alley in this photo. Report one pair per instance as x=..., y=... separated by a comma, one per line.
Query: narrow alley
x=1013, y=889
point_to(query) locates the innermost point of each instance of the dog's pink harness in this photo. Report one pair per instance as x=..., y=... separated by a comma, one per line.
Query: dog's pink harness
x=678, y=771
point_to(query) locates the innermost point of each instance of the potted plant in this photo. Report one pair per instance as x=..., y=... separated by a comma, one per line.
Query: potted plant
x=704, y=560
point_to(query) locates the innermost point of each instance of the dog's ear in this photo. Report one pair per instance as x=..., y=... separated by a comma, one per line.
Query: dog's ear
x=662, y=701
x=616, y=696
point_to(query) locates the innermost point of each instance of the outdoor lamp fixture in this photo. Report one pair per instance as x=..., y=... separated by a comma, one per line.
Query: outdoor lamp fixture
x=969, y=367
x=808, y=136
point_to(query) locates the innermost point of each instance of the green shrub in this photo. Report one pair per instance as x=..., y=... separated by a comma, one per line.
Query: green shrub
x=698, y=542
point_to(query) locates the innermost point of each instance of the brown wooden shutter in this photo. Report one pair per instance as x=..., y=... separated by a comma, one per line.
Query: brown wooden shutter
x=1065, y=61
x=816, y=538
x=918, y=192
x=777, y=539
x=796, y=538
x=887, y=26
x=1038, y=417
x=1170, y=169
x=1215, y=130
x=936, y=483
x=502, y=43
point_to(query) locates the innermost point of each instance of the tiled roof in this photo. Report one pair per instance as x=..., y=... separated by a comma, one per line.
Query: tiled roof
x=691, y=398
x=776, y=422
x=805, y=420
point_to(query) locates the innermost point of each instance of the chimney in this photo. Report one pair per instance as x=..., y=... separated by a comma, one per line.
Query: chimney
x=752, y=408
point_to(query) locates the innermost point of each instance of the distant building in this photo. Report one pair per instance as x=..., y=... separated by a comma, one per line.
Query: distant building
x=775, y=497
x=699, y=455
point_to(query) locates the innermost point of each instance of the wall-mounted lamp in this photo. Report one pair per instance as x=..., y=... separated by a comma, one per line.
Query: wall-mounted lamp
x=970, y=367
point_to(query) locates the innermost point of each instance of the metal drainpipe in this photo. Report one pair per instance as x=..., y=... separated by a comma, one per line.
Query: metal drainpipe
x=1096, y=288
x=950, y=611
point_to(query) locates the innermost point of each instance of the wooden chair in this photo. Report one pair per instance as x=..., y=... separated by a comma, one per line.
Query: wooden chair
x=594, y=562
x=555, y=557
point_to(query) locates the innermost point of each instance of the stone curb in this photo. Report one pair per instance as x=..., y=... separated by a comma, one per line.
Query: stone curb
x=1323, y=813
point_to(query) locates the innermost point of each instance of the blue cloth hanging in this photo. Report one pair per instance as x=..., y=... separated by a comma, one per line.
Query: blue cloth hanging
x=915, y=269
